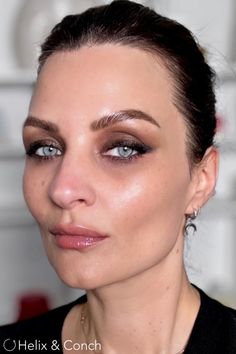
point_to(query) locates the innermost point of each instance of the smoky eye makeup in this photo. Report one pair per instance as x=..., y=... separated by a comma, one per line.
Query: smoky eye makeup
x=124, y=148
x=119, y=146
x=43, y=149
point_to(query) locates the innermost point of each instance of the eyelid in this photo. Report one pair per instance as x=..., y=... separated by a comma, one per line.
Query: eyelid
x=132, y=134
x=33, y=136
x=119, y=143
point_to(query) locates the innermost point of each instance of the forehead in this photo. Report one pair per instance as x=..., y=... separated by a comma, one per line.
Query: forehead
x=109, y=57
x=99, y=79
x=109, y=66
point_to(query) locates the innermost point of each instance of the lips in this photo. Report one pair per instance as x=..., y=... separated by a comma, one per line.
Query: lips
x=70, y=236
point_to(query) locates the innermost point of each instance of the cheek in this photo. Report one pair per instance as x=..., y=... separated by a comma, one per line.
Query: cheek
x=151, y=202
x=34, y=189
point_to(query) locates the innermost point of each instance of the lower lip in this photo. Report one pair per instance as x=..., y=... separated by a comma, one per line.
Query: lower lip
x=78, y=242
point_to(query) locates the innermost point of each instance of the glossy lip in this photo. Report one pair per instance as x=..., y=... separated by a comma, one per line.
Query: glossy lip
x=69, y=236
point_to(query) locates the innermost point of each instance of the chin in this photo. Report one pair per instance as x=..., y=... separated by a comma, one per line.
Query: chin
x=78, y=277
x=77, y=283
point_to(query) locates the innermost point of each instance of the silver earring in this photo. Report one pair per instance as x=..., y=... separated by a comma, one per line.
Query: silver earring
x=189, y=224
x=195, y=213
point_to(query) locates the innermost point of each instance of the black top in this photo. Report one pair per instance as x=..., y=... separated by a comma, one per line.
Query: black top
x=214, y=331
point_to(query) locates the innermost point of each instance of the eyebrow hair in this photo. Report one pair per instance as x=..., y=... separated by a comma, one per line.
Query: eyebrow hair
x=121, y=116
x=41, y=123
x=104, y=122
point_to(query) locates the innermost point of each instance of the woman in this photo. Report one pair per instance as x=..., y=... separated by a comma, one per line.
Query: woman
x=120, y=157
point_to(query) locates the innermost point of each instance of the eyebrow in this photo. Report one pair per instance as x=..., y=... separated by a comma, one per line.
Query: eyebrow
x=41, y=123
x=102, y=123
x=121, y=116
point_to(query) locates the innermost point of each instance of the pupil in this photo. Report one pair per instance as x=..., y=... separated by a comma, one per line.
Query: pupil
x=49, y=150
x=125, y=151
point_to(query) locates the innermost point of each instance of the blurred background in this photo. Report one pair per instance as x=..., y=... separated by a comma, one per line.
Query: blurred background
x=210, y=253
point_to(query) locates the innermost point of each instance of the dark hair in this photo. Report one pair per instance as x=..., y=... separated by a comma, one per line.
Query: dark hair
x=128, y=23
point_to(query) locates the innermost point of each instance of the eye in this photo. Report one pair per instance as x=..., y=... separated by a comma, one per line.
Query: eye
x=44, y=150
x=47, y=151
x=122, y=151
x=125, y=150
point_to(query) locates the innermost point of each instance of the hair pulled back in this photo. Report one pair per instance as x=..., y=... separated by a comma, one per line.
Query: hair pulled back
x=128, y=23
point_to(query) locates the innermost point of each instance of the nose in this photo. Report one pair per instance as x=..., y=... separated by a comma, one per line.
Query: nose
x=72, y=184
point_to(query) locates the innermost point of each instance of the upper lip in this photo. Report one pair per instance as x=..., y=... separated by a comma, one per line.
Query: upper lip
x=74, y=230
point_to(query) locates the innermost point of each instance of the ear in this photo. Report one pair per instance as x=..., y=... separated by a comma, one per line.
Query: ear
x=203, y=180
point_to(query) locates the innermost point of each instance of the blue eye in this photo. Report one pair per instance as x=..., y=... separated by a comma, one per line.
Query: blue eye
x=47, y=151
x=124, y=151
x=44, y=150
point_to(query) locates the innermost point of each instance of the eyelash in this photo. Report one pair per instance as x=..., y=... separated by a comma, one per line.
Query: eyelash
x=133, y=145
x=31, y=151
x=140, y=149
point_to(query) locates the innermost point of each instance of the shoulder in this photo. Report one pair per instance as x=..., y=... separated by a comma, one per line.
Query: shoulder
x=37, y=330
x=216, y=313
x=215, y=328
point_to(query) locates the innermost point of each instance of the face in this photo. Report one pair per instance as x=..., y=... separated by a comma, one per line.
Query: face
x=106, y=152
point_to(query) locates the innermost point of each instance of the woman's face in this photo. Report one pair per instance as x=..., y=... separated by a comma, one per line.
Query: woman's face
x=125, y=177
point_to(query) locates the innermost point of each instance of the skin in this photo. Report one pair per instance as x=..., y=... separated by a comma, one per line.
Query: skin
x=141, y=204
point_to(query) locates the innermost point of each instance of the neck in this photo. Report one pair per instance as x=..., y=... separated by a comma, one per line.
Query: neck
x=141, y=315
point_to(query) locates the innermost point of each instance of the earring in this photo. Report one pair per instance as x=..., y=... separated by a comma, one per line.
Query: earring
x=189, y=224
x=194, y=214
